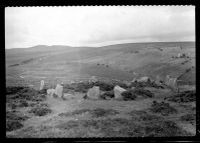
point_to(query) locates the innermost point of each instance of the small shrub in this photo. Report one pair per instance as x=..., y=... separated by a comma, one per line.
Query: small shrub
x=143, y=92
x=100, y=112
x=43, y=91
x=128, y=95
x=13, y=120
x=186, y=96
x=13, y=125
x=107, y=95
x=41, y=110
x=13, y=90
x=10, y=115
x=189, y=118
x=165, y=128
x=23, y=103
x=104, y=86
x=76, y=112
x=164, y=108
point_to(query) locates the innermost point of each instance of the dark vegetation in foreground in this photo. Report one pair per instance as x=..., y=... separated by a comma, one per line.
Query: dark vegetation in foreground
x=162, y=108
x=95, y=113
x=141, y=124
x=84, y=86
x=19, y=97
x=107, y=85
x=40, y=110
x=13, y=120
x=186, y=96
x=190, y=117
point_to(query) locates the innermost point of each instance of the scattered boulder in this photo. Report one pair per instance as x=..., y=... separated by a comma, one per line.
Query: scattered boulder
x=41, y=84
x=94, y=92
x=144, y=79
x=118, y=92
x=59, y=90
x=50, y=92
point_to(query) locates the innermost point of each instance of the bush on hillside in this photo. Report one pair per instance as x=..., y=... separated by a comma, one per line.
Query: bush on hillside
x=13, y=120
x=128, y=95
x=163, y=108
x=146, y=84
x=143, y=92
x=107, y=95
x=185, y=96
x=13, y=90
x=40, y=110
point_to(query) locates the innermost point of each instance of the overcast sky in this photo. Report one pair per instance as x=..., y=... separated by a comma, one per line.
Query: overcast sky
x=96, y=26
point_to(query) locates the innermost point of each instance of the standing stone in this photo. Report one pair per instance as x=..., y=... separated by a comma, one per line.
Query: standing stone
x=59, y=90
x=94, y=92
x=118, y=91
x=41, y=84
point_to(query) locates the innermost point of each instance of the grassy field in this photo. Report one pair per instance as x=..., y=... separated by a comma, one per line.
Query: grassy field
x=153, y=112
x=38, y=116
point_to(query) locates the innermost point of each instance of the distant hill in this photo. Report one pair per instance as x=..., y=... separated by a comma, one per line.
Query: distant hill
x=114, y=61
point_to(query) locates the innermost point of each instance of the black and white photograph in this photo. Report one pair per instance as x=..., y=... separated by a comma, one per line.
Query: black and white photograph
x=100, y=71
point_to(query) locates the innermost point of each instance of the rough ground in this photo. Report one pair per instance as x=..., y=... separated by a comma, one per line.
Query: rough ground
x=76, y=117
x=32, y=115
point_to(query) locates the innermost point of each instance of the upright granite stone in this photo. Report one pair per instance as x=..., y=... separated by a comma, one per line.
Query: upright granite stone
x=41, y=84
x=59, y=90
x=94, y=92
x=118, y=91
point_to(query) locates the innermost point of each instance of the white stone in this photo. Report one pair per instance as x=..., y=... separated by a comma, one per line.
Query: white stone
x=118, y=91
x=94, y=92
x=41, y=84
x=144, y=79
x=171, y=82
x=50, y=92
x=59, y=90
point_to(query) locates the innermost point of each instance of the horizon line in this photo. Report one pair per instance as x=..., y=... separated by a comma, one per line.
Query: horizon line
x=103, y=44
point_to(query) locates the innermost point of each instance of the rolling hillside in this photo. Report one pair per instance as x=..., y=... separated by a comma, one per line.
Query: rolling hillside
x=122, y=61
